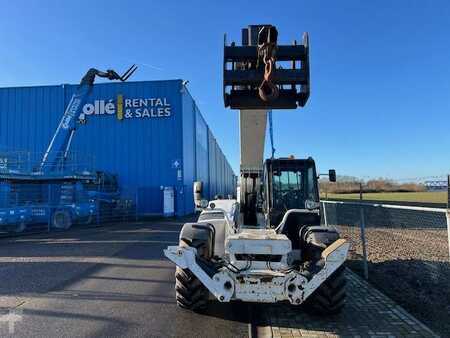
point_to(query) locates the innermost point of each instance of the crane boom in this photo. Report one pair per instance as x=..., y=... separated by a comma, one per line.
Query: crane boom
x=255, y=85
x=252, y=138
x=252, y=127
x=59, y=146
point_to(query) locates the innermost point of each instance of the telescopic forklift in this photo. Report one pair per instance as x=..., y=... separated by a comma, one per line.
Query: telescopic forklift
x=268, y=246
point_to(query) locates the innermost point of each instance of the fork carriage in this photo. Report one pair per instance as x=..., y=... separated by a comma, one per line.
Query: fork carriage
x=243, y=72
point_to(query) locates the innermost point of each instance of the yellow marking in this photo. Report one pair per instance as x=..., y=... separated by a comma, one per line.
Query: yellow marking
x=120, y=107
x=333, y=247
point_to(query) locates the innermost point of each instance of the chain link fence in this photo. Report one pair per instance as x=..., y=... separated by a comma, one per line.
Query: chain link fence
x=37, y=196
x=26, y=162
x=43, y=207
x=403, y=250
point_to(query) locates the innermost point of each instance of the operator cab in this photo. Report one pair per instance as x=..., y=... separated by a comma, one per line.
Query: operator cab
x=290, y=184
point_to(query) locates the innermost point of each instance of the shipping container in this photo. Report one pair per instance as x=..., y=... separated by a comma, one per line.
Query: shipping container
x=150, y=133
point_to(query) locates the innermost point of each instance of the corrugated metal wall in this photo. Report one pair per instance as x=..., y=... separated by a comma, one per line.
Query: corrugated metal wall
x=147, y=152
x=222, y=180
x=207, y=161
x=142, y=150
x=189, y=171
x=201, y=154
x=28, y=116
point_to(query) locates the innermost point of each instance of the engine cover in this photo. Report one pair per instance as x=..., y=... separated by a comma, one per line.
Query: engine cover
x=258, y=249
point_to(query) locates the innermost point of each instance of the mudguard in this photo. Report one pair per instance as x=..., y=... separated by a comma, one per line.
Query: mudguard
x=200, y=236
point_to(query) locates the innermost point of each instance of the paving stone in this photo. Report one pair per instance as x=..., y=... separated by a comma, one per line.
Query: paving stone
x=368, y=313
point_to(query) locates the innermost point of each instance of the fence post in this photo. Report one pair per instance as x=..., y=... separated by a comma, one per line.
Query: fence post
x=448, y=214
x=136, y=203
x=363, y=236
x=363, y=241
x=49, y=209
x=97, y=203
x=325, y=214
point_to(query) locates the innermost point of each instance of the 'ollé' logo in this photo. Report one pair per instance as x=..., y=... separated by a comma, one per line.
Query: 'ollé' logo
x=129, y=108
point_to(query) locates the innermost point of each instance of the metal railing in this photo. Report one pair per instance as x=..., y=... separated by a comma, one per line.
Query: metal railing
x=25, y=162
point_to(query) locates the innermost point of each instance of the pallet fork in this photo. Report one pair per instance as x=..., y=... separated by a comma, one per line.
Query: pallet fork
x=261, y=74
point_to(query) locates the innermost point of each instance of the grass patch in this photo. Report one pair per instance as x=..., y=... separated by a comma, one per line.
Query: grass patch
x=428, y=196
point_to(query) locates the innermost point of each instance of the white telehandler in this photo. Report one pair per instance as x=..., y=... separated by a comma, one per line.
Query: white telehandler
x=269, y=246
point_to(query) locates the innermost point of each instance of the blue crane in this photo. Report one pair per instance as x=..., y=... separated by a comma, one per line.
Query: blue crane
x=59, y=146
x=51, y=193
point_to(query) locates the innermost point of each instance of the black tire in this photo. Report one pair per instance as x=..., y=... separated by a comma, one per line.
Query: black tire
x=89, y=219
x=21, y=227
x=17, y=228
x=329, y=298
x=190, y=292
x=61, y=220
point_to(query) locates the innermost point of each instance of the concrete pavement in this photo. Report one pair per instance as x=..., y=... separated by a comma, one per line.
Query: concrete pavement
x=114, y=281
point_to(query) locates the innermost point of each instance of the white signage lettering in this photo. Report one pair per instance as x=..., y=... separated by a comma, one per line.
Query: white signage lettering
x=154, y=107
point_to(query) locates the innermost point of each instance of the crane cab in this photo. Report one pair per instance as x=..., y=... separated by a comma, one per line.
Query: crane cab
x=290, y=184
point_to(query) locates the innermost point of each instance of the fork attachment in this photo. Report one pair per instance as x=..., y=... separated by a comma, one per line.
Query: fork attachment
x=128, y=73
x=260, y=74
x=110, y=74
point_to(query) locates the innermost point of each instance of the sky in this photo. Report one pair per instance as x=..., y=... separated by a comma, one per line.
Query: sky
x=380, y=70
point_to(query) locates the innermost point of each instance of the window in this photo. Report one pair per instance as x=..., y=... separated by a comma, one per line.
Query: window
x=291, y=187
x=311, y=185
x=288, y=189
x=287, y=180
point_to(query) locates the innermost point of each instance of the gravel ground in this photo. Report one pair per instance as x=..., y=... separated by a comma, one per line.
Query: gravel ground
x=409, y=265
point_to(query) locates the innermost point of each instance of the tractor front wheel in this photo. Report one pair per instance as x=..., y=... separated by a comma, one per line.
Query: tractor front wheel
x=329, y=298
x=190, y=292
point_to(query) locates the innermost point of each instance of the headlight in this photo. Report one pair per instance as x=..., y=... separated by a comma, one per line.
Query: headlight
x=311, y=205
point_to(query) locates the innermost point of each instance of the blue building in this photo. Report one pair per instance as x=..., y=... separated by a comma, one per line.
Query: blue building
x=151, y=134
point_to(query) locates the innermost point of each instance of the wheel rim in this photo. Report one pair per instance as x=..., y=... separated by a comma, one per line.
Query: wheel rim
x=61, y=220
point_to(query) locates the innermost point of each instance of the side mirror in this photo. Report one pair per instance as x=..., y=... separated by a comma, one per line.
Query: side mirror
x=332, y=175
x=204, y=204
x=198, y=187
